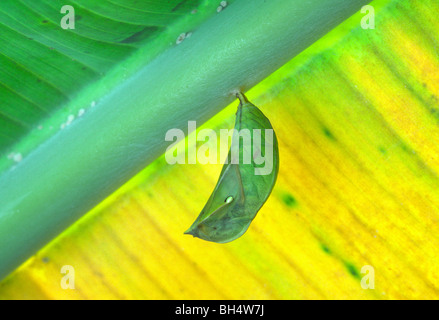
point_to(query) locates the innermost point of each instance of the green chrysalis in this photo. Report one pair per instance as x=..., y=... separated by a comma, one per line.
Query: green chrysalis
x=245, y=182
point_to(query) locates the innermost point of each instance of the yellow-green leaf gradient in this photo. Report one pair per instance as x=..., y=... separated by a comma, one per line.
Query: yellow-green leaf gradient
x=358, y=128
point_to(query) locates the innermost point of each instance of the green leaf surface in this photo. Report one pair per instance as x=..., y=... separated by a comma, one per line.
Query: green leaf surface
x=43, y=67
x=64, y=166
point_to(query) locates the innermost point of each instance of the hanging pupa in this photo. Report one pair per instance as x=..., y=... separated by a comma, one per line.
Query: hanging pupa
x=243, y=185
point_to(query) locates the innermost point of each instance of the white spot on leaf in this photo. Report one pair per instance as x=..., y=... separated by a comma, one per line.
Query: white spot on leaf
x=180, y=38
x=222, y=5
x=70, y=119
x=17, y=157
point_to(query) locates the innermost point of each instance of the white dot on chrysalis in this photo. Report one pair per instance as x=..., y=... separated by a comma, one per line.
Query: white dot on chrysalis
x=229, y=199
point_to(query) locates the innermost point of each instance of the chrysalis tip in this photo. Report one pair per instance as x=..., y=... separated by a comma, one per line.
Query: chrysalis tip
x=190, y=231
x=242, y=98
